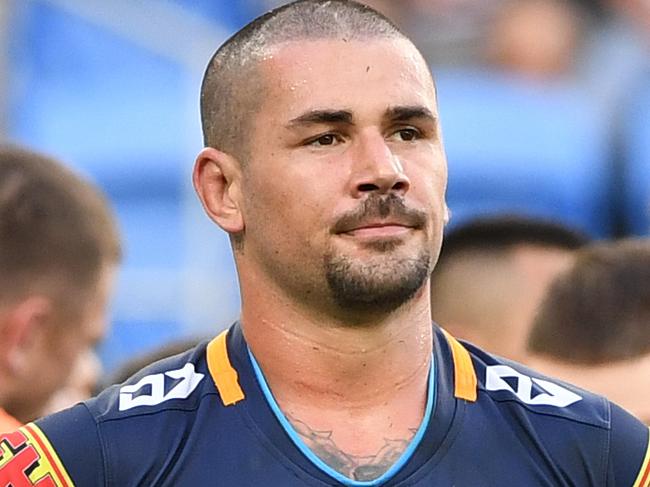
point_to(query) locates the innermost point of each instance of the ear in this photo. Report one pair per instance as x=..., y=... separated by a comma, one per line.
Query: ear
x=21, y=326
x=217, y=181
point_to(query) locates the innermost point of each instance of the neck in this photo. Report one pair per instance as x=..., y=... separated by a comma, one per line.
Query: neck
x=313, y=358
x=354, y=392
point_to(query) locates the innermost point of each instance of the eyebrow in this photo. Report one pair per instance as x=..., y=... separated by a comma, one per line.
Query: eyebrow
x=394, y=114
x=404, y=113
x=322, y=116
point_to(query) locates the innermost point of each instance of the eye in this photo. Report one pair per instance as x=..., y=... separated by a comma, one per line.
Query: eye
x=325, y=140
x=407, y=134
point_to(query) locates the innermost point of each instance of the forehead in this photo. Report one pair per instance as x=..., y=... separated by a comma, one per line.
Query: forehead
x=343, y=73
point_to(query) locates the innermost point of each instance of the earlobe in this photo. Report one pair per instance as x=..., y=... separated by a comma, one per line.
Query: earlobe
x=20, y=328
x=217, y=181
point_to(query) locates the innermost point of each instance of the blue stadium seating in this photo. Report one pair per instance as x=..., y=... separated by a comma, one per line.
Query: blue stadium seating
x=233, y=13
x=518, y=147
x=128, y=119
x=91, y=97
x=636, y=177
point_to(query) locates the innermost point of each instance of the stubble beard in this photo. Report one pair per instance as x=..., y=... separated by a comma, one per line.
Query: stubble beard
x=381, y=285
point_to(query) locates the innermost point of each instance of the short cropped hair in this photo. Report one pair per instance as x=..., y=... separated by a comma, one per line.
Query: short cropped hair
x=599, y=310
x=232, y=90
x=503, y=232
x=56, y=230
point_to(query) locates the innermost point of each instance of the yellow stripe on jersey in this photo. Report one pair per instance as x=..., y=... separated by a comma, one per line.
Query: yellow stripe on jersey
x=44, y=447
x=465, y=382
x=28, y=450
x=222, y=372
x=643, y=479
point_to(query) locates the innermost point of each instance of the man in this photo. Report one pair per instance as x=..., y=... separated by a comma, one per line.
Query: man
x=59, y=246
x=493, y=273
x=324, y=163
x=593, y=328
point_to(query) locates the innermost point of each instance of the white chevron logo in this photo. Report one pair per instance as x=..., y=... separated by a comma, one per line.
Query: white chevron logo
x=189, y=379
x=555, y=395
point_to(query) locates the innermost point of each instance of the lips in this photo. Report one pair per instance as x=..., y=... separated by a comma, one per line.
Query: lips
x=382, y=230
x=357, y=225
x=379, y=227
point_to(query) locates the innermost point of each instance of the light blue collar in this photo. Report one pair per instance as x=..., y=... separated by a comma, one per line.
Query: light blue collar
x=295, y=437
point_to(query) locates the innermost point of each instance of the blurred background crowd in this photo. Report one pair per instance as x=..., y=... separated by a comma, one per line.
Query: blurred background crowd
x=545, y=108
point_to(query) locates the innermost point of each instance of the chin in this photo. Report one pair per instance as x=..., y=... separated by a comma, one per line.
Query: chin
x=378, y=285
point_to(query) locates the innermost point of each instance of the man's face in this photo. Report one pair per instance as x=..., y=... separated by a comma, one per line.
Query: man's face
x=344, y=187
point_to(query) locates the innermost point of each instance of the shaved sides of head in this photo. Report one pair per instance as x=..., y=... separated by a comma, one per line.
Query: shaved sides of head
x=232, y=89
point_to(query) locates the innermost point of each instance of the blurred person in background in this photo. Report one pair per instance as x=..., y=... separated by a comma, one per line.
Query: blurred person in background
x=615, y=57
x=449, y=33
x=535, y=39
x=84, y=381
x=492, y=274
x=59, y=247
x=593, y=328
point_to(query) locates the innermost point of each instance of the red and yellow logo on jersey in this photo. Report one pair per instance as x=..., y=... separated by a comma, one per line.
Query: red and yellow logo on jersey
x=27, y=459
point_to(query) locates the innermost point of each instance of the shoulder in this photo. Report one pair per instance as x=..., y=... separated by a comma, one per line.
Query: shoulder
x=175, y=383
x=108, y=439
x=565, y=421
x=511, y=384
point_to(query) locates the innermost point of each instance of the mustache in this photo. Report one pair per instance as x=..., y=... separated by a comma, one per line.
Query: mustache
x=380, y=207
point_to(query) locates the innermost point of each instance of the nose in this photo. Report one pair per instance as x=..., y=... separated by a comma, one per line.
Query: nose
x=376, y=168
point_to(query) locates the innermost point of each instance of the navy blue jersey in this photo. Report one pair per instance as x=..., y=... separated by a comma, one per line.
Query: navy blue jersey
x=206, y=417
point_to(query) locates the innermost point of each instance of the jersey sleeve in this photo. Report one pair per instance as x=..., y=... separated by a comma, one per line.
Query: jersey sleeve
x=630, y=450
x=62, y=450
